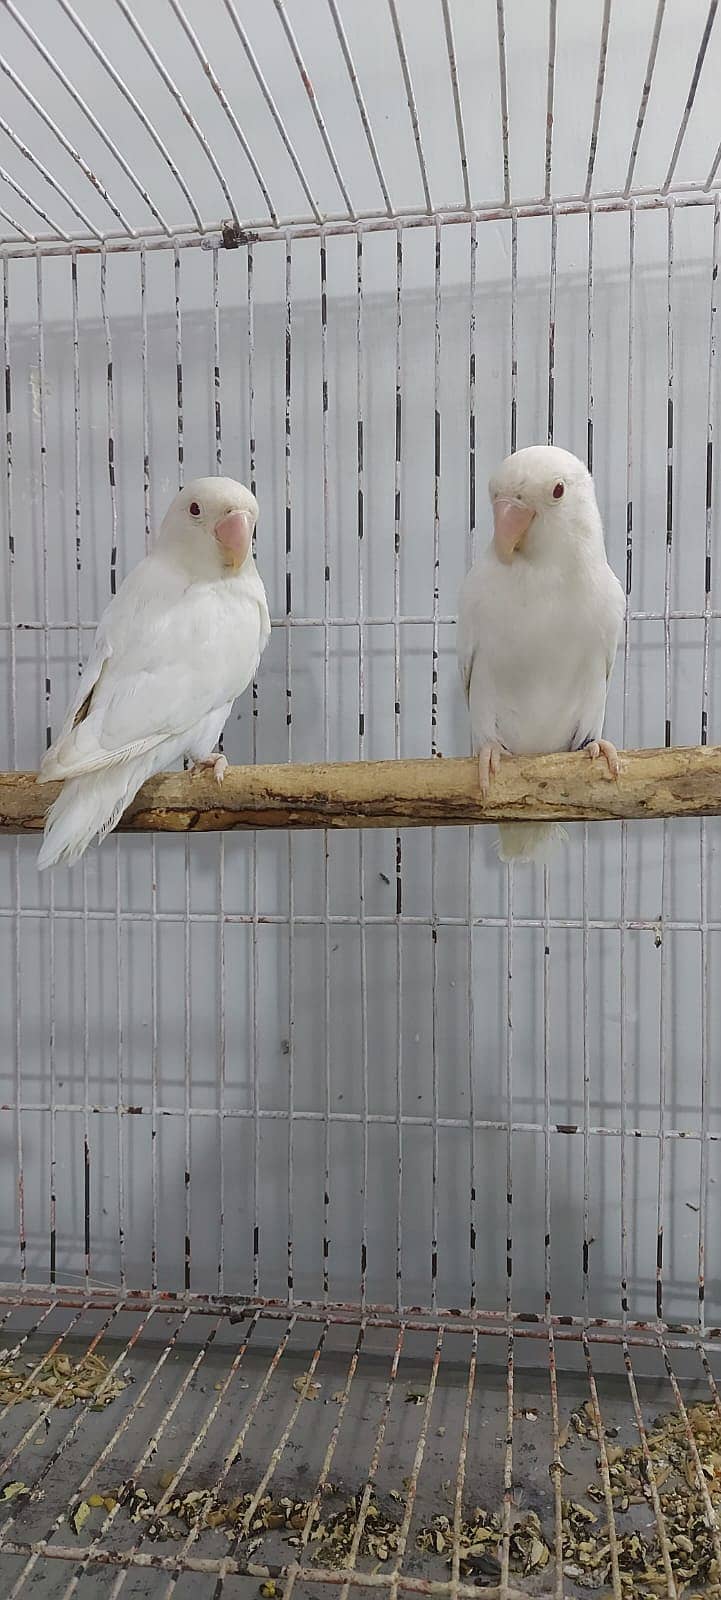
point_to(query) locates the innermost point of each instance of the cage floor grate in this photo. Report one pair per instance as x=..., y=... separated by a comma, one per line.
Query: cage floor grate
x=355, y=1427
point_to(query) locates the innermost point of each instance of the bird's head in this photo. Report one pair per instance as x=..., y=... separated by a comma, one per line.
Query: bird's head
x=211, y=523
x=543, y=501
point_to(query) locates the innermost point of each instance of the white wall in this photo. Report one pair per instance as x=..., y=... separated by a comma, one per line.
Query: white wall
x=99, y=966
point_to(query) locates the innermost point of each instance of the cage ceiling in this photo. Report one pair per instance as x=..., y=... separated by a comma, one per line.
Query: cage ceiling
x=323, y=116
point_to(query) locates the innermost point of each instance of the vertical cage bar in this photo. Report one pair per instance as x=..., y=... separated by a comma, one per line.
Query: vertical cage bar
x=322, y=1480
x=645, y=92
x=585, y=950
x=605, y=1475
x=52, y=1240
x=623, y=976
x=457, y=101
x=470, y=884
x=703, y=837
x=178, y=365
x=434, y=750
x=710, y=18
x=556, y=1468
x=153, y=842
x=514, y=331
x=222, y=1029
x=411, y=99
x=362, y=937
x=289, y=721
x=326, y=757
x=255, y=962
x=665, y=866
x=197, y=1439
x=411, y=1482
x=600, y=80
x=547, y=1088
x=187, y=962
x=397, y=491
x=702, y=1488
x=546, y=873
x=552, y=326
x=508, y=1492
x=510, y=874
x=364, y=1502
x=651, y=1477
x=461, y=1470
x=120, y=1059
x=12, y=616
x=120, y=1064
x=550, y=89
x=84, y=865
x=503, y=85
x=510, y=885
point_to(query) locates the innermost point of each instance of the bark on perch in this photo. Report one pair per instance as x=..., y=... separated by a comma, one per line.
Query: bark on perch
x=682, y=782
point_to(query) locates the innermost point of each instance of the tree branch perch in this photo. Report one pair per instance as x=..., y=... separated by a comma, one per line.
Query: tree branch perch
x=681, y=782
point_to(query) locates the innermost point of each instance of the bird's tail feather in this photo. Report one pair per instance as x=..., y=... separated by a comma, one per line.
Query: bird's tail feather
x=529, y=841
x=87, y=807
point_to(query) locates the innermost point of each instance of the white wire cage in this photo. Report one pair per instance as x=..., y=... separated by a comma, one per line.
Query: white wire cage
x=304, y=1085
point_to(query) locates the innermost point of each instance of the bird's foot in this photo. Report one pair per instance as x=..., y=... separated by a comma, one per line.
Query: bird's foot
x=215, y=763
x=489, y=761
x=603, y=747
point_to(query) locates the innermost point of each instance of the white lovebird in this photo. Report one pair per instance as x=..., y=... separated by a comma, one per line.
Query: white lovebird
x=540, y=616
x=180, y=640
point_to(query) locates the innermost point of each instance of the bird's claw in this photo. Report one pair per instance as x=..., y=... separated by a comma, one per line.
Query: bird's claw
x=217, y=764
x=489, y=761
x=603, y=747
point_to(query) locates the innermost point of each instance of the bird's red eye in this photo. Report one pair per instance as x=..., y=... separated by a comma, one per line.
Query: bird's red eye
x=195, y=508
x=558, y=491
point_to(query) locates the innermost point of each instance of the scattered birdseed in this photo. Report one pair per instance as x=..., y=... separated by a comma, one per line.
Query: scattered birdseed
x=10, y=1491
x=60, y=1379
x=328, y=1530
x=306, y=1387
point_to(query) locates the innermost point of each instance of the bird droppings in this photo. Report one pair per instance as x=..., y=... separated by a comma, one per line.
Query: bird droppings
x=59, y=1379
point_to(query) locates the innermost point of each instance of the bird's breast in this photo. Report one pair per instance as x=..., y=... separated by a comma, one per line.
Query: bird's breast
x=543, y=667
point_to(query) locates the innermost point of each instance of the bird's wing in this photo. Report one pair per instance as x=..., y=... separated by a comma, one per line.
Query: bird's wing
x=467, y=628
x=172, y=660
x=80, y=704
x=473, y=647
x=611, y=610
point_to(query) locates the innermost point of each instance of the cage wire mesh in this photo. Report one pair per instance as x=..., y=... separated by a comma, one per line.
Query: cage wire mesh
x=380, y=1179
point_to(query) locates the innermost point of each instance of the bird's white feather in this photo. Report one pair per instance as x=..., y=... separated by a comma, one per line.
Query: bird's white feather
x=537, y=638
x=172, y=652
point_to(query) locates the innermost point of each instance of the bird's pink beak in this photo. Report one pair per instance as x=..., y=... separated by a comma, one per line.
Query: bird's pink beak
x=511, y=519
x=234, y=532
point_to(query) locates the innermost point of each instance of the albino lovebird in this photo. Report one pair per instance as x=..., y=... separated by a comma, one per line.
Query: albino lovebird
x=540, y=616
x=180, y=640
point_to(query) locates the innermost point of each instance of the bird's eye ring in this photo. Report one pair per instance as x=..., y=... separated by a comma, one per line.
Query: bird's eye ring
x=194, y=508
x=558, y=492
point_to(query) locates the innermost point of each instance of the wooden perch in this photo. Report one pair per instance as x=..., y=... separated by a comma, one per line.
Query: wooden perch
x=402, y=794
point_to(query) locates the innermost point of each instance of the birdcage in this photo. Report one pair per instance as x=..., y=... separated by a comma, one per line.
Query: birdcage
x=358, y=1200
